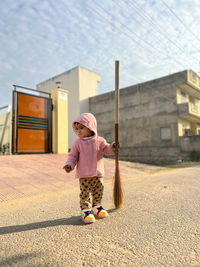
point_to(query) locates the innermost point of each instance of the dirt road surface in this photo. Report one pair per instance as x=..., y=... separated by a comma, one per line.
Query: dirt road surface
x=159, y=224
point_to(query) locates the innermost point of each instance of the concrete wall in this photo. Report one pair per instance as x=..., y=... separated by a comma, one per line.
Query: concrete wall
x=81, y=84
x=187, y=145
x=190, y=143
x=148, y=128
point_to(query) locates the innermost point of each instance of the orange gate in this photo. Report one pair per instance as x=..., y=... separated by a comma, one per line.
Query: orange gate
x=32, y=123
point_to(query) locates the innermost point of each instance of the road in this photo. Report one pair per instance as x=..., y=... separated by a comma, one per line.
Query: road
x=159, y=225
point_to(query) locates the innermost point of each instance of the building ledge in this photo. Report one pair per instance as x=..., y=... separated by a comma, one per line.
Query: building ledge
x=189, y=111
x=192, y=84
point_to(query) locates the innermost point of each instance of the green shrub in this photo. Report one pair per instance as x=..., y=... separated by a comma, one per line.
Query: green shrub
x=195, y=155
x=4, y=149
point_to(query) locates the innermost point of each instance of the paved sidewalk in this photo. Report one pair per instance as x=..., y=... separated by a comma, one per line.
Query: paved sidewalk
x=28, y=175
x=23, y=176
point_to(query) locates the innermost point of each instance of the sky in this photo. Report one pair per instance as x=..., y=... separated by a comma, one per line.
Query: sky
x=40, y=39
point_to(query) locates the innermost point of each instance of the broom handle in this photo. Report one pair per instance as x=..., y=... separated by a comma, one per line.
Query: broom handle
x=117, y=113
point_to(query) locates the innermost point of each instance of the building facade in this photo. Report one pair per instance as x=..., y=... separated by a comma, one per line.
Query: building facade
x=81, y=84
x=159, y=119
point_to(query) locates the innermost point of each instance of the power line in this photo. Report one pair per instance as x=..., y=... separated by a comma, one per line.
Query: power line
x=124, y=25
x=135, y=41
x=130, y=37
x=157, y=28
x=187, y=28
x=140, y=38
x=152, y=47
x=126, y=35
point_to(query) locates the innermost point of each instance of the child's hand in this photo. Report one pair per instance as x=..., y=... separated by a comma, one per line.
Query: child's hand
x=116, y=145
x=67, y=168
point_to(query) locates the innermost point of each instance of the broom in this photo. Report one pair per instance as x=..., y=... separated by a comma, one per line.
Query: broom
x=117, y=191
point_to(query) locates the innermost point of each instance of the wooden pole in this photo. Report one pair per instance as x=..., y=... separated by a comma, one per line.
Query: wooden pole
x=117, y=191
x=117, y=113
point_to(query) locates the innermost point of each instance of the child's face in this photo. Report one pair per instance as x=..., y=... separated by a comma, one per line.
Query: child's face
x=82, y=131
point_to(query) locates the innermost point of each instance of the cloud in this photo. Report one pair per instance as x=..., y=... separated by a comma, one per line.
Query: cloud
x=40, y=39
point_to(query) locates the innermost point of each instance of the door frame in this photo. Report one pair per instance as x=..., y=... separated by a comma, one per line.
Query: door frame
x=15, y=118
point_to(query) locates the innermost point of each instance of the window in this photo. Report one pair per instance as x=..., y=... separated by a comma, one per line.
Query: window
x=187, y=132
x=183, y=97
x=165, y=133
x=186, y=129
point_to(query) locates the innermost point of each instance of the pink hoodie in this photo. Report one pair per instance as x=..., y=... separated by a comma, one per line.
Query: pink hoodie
x=87, y=153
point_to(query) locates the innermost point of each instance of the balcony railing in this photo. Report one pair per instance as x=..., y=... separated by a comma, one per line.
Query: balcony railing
x=194, y=109
x=193, y=79
x=189, y=110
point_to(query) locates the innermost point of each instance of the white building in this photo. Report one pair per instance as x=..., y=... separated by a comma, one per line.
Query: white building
x=81, y=84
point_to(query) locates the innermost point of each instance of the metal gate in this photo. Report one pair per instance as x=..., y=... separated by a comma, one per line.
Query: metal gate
x=31, y=122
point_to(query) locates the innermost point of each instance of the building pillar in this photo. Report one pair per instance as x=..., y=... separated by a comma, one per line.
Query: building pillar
x=60, y=121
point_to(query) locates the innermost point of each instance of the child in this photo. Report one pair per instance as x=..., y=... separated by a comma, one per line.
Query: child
x=87, y=155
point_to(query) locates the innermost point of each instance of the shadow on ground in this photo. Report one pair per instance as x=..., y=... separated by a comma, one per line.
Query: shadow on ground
x=11, y=261
x=74, y=220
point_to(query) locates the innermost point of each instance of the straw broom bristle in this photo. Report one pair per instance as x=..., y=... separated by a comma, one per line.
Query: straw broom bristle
x=117, y=191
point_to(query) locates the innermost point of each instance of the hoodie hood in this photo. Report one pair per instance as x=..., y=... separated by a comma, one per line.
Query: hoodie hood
x=88, y=120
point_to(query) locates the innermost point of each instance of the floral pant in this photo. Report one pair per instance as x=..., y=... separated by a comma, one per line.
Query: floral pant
x=91, y=192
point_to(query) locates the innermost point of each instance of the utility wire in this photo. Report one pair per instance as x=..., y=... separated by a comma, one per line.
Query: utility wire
x=135, y=41
x=130, y=37
x=124, y=25
x=74, y=15
x=151, y=45
x=127, y=36
x=187, y=28
x=157, y=28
